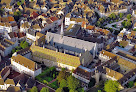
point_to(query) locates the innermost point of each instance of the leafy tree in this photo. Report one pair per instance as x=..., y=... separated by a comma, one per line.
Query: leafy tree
x=111, y=86
x=135, y=84
x=130, y=84
x=1, y=11
x=13, y=50
x=134, y=29
x=98, y=23
x=128, y=16
x=72, y=82
x=34, y=89
x=101, y=20
x=62, y=75
x=63, y=83
x=18, y=3
x=121, y=15
x=18, y=13
x=81, y=90
x=44, y=89
x=24, y=45
x=72, y=90
x=112, y=16
x=99, y=91
x=59, y=90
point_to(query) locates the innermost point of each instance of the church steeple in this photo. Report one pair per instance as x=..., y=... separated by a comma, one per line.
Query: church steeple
x=62, y=32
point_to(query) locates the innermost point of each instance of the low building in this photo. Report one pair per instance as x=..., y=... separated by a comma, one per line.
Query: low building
x=24, y=65
x=6, y=46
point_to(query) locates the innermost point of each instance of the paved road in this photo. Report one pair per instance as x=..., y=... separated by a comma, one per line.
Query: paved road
x=110, y=25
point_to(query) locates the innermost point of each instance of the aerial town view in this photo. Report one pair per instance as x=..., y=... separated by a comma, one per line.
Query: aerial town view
x=67, y=45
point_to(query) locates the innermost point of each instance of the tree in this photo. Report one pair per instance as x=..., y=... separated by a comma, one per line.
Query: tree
x=72, y=82
x=34, y=89
x=135, y=84
x=130, y=84
x=63, y=83
x=13, y=50
x=128, y=16
x=72, y=90
x=111, y=86
x=1, y=11
x=24, y=45
x=62, y=75
x=81, y=90
x=112, y=16
x=121, y=15
x=44, y=89
x=99, y=91
x=98, y=23
x=18, y=3
x=59, y=90
x=101, y=20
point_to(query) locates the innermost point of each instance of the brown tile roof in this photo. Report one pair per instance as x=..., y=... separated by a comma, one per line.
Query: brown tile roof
x=126, y=63
x=82, y=73
x=127, y=76
x=10, y=81
x=90, y=27
x=10, y=18
x=25, y=62
x=39, y=34
x=1, y=82
x=108, y=53
x=53, y=18
x=49, y=21
x=113, y=73
x=13, y=89
x=55, y=56
x=4, y=71
x=8, y=41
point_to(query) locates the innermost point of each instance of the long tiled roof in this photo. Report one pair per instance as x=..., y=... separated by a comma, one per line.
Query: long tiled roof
x=113, y=73
x=55, y=56
x=25, y=62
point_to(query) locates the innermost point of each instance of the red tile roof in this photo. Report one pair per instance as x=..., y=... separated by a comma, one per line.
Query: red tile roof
x=53, y=18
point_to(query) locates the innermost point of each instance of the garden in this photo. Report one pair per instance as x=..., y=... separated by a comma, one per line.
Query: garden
x=48, y=76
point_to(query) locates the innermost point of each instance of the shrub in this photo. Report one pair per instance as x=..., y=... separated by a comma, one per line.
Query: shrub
x=130, y=84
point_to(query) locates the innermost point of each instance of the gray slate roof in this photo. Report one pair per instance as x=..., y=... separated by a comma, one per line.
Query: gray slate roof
x=69, y=43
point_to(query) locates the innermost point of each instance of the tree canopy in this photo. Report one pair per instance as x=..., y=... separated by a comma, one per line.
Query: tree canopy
x=72, y=90
x=129, y=16
x=121, y=15
x=63, y=83
x=44, y=89
x=112, y=16
x=62, y=75
x=130, y=84
x=24, y=44
x=111, y=86
x=72, y=82
x=59, y=90
x=34, y=89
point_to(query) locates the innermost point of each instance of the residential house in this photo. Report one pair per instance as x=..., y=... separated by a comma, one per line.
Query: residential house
x=24, y=65
x=31, y=36
x=6, y=46
x=84, y=75
x=24, y=27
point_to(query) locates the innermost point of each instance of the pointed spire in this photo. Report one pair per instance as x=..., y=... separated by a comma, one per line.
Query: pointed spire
x=62, y=33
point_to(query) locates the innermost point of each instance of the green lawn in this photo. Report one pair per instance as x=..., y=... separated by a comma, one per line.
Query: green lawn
x=54, y=85
x=48, y=79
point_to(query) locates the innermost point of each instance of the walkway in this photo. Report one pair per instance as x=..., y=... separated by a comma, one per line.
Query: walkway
x=52, y=81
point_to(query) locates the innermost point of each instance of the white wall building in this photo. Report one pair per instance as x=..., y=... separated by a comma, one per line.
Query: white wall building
x=24, y=65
